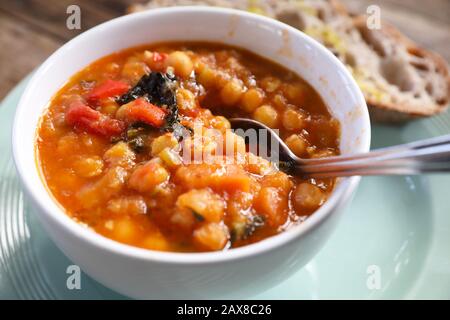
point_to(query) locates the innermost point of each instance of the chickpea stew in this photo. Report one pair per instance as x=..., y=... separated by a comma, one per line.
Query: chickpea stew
x=118, y=146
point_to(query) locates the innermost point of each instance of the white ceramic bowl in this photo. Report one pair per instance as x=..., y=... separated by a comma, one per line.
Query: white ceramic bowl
x=237, y=273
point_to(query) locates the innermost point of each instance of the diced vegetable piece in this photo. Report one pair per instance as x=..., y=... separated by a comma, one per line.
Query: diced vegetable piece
x=211, y=236
x=103, y=189
x=141, y=110
x=278, y=180
x=84, y=118
x=272, y=204
x=131, y=205
x=220, y=178
x=204, y=203
x=232, y=182
x=184, y=219
x=146, y=177
x=109, y=88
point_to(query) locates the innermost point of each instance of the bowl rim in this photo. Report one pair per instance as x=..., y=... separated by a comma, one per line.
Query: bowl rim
x=340, y=194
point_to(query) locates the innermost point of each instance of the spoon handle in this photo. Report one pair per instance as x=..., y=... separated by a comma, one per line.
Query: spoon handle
x=430, y=155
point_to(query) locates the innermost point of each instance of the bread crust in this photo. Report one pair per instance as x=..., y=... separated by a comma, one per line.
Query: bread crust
x=393, y=112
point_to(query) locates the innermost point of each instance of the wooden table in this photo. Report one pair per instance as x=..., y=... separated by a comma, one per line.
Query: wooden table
x=30, y=30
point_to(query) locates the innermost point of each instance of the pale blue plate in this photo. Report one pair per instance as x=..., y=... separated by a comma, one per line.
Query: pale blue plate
x=392, y=243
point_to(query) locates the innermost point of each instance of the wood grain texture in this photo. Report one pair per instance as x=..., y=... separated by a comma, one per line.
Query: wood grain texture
x=30, y=30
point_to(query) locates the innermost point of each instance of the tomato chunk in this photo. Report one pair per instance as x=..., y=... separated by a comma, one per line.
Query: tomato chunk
x=107, y=89
x=83, y=117
x=143, y=111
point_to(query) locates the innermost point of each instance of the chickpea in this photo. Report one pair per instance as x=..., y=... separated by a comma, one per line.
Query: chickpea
x=279, y=101
x=170, y=158
x=232, y=92
x=207, y=77
x=267, y=115
x=308, y=196
x=292, y=120
x=222, y=79
x=206, y=204
x=186, y=100
x=109, y=108
x=165, y=141
x=181, y=62
x=252, y=99
x=297, y=144
x=146, y=177
x=220, y=123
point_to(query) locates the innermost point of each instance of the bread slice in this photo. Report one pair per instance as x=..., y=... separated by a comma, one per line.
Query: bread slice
x=399, y=79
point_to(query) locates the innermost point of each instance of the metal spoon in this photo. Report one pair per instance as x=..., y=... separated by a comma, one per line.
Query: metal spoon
x=429, y=155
